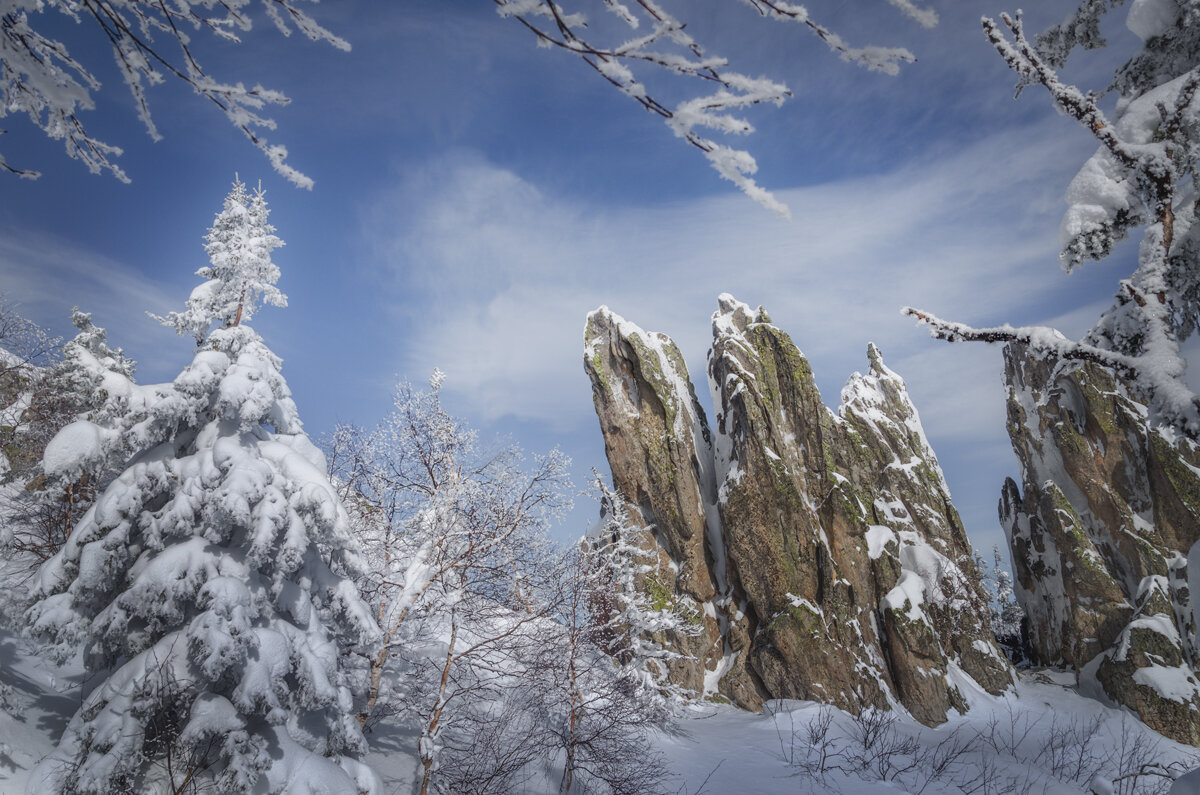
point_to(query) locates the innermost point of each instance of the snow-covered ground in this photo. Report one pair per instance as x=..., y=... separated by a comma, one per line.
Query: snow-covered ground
x=1043, y=739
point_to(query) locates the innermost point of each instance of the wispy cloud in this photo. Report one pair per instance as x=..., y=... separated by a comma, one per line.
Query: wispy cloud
x=508, y=272
x=48, y=276
x=505, y=271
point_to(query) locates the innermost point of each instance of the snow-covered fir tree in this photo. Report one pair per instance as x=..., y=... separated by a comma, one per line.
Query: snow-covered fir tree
x=1004, y=612
x=211, y=585
x=240, y=273
x=633, y=610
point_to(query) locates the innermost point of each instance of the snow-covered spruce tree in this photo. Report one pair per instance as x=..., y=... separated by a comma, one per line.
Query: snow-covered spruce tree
x=1142, y=176
x=211, y=581
x=632, y=608
x=1004, y=612
x=92, y=382
x=605, y=670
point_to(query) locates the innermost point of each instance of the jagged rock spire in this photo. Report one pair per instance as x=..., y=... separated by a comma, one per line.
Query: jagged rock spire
x=838, y=569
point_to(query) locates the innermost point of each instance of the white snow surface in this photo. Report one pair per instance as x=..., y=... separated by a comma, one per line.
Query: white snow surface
x=77, y=446
x=715, y=749
x=878, y=537
x=1150, y=18
x=1176, y=684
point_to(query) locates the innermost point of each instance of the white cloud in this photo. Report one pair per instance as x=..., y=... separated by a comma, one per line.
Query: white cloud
x=507, y=272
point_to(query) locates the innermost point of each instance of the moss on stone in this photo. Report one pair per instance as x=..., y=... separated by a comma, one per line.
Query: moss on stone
x=598, y=369
x=664, y=598
x=800, y=620
x=1185, y=481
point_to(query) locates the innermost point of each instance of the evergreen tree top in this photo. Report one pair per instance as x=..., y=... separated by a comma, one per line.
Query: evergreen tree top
x=240, y=274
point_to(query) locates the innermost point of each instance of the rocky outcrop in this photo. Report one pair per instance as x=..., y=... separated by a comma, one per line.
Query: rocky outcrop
x=659, y=448
x=1100, y=533
x=822, y=547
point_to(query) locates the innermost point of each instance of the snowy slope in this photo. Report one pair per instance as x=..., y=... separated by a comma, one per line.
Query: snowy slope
x=1046, y=738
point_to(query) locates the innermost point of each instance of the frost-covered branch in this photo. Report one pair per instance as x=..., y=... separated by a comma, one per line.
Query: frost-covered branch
x=1041, y=338
x=1170, y=400
x=41, y=80
x=450, y=535
x=667, y=46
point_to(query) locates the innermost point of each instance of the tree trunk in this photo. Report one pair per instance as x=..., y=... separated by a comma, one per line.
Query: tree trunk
x=241, y=300
x=569, y=766
x=431, y=730
x=375, y=682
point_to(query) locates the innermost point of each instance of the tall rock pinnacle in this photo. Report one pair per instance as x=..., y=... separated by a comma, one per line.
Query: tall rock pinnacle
x=822, y=547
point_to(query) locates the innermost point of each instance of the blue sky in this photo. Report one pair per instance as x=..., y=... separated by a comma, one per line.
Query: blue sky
x=475, y=196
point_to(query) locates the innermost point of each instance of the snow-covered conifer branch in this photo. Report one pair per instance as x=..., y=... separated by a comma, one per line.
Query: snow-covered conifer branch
x=1143, y=174
x=1023, y=58
x=669, y=47
x=41, y=80
x=1169, y=399
x=1041, y=338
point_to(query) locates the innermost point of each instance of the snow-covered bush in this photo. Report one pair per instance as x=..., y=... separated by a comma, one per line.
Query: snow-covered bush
x=211, y=583
x=26, y=353
x=630, y=611
x=604, y=686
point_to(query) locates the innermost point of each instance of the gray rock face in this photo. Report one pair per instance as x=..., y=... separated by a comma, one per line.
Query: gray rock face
x=1100, y=533
x=822, y=547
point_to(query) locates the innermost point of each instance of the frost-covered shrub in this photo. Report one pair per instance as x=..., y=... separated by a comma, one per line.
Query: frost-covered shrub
x=604, y=688
x=457, y=559
x=91, y=382
x=1006, y=615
